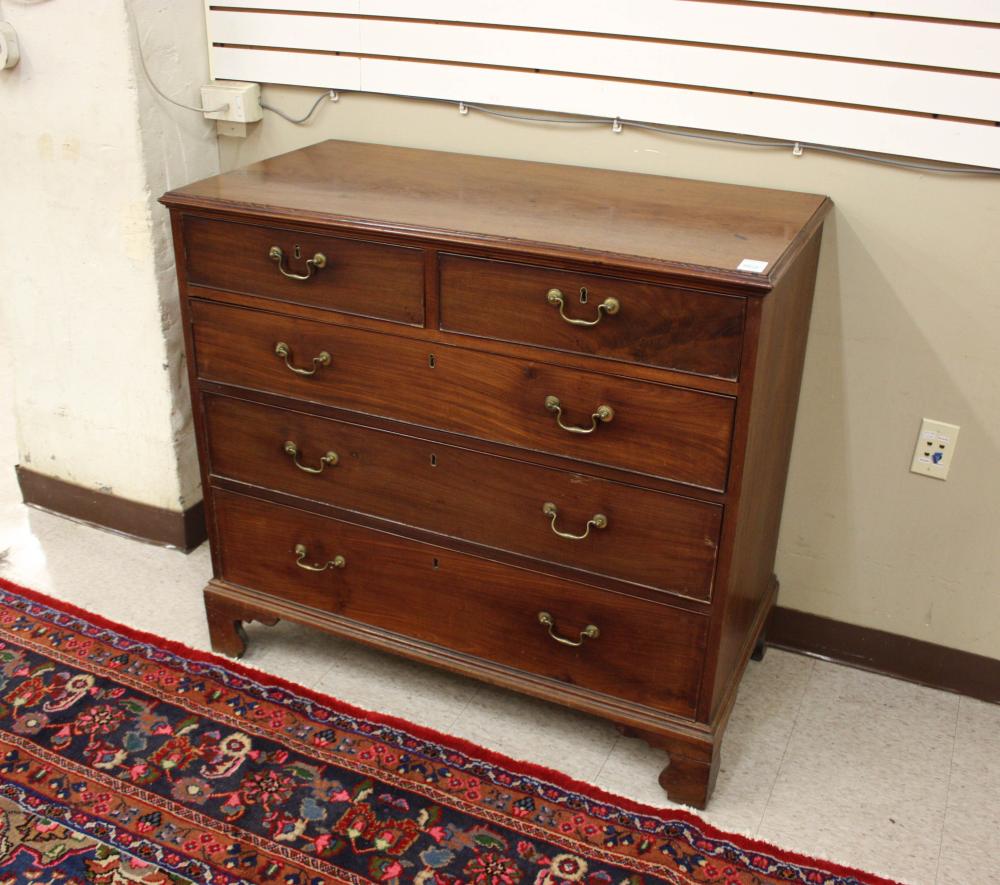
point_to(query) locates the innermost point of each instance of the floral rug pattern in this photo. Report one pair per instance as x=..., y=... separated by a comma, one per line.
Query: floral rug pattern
x=127, y=758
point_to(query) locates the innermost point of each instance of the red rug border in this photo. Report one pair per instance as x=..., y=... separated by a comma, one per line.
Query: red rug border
x=528, y=769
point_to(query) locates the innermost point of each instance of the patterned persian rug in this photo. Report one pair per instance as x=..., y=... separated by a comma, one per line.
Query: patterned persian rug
x=127, y=758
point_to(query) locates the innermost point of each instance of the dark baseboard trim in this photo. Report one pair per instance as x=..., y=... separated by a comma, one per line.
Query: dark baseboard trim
x=168, y=528
x=914, y=660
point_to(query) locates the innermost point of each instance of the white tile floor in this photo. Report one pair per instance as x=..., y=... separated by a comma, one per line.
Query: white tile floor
x=820, y=759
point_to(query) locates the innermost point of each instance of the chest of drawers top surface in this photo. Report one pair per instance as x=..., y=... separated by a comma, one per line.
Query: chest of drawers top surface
x=634, y=221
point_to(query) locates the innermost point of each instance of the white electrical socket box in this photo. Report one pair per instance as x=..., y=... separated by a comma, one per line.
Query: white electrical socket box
x=232, y=101
x=935, y=448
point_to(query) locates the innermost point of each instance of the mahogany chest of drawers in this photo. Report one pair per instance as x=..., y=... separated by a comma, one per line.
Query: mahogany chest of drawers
x=527, y=422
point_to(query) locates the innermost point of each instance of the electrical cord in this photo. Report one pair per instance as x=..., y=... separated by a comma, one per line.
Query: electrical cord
x=198, y=109
x=149, y=77
x=822, y=148
x=298, y=121
x=745, y=142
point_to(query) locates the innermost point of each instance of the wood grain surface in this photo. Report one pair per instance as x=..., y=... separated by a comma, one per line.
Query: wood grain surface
x=361, y=278
x=663, y=431
x=648, y=653
x=661, y=326
x=663, y=221
x=664, y=542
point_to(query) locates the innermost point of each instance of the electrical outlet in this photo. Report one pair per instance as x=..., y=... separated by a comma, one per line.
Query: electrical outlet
x=935, y=448
x=232, y=101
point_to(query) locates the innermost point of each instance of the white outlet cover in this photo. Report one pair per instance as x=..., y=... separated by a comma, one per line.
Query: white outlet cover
x=935, y=448
x=232, y=101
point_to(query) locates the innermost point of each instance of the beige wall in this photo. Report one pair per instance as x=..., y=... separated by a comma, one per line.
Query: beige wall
x=906, y=324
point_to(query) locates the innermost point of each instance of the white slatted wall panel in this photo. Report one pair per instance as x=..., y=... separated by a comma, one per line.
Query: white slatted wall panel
x=891, y=76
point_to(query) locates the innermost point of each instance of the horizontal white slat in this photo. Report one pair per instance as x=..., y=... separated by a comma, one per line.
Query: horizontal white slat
x=958, y=95
x=909, y=42
x=287, y=31
x=791, y=120
x=299, y=69
x=957, y=10
x=331, y=6
x=968, y=10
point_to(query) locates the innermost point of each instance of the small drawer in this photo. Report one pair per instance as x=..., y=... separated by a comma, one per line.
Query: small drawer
x=662, y=326
x=350, y=276
x=642, y=651
x=663, y=542
x=654, y=429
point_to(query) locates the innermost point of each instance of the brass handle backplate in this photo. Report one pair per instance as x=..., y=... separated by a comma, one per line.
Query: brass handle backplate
x=588, y=632
x=608, y=306
x=292, y=451
x=602, y=415
x=283, y=350
x=276, y=254
x=597, y=521
x=301, y=552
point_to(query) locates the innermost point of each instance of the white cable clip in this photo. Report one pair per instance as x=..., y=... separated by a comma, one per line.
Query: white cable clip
x=334, y=95
x=463, y=109
x=616, y=124
x=797, y=150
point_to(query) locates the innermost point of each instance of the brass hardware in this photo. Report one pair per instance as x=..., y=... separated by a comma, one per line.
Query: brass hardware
x=602, y=415
x=300, y=553
x=608, y=306
x=597, y=521
x=588, y=632
x=292, y=451
x=318, y=260
x=283, y=350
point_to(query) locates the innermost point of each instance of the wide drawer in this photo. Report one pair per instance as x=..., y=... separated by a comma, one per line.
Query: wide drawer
x=644, y=652
x=654, y=325
x=357, y=277
x=664, y=542
x=654, y=429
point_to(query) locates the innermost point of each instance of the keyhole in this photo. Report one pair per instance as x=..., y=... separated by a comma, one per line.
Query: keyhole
x=298, y=251
x=435, y=562
x=431, y=361
x=434, y=460
x=584, y=294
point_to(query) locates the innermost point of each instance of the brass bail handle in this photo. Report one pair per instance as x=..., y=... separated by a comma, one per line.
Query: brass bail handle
x=283, y=350
x=602, y=415
x=301, y=553
x=276, y=254
x=588, y=632
x=292, y=450
x=608, y=306
x=597, y=521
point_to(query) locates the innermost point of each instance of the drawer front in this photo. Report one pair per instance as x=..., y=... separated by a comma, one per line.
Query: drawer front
x=357, y=277
x=664, y=542
x=648, y=653
x=659, y=326
x=653, y=429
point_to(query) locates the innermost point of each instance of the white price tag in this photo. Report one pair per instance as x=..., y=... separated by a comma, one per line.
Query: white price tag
x=752, y=265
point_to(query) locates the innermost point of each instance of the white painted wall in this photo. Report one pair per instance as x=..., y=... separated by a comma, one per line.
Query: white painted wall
x=88, y=289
